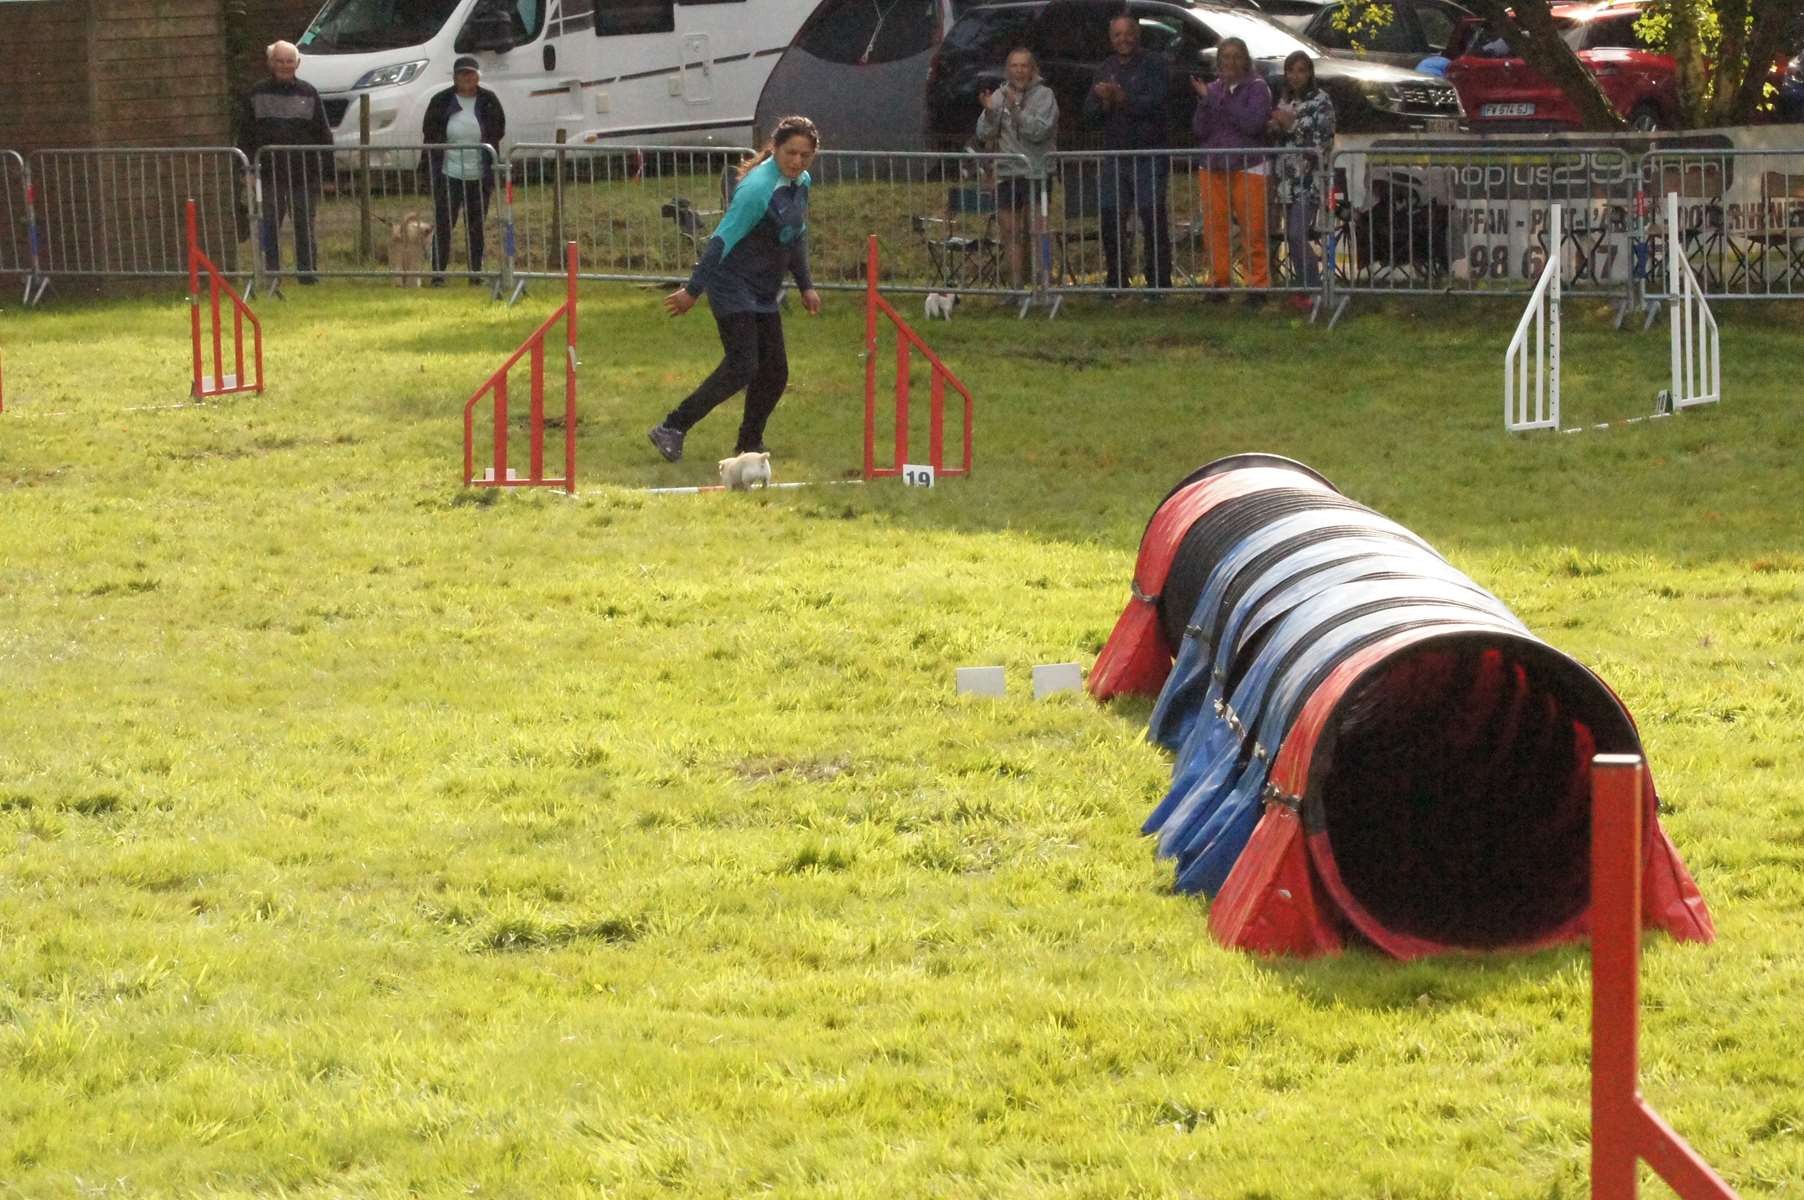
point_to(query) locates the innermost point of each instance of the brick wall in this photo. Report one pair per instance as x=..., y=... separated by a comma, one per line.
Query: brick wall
x=119, y=73
x=157, y=68
x=45, y=94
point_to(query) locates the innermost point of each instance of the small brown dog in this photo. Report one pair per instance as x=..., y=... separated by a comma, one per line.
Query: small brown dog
x=741, y=471
x=407, y=253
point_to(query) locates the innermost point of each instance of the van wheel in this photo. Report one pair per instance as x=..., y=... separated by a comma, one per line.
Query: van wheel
x=1644, y=119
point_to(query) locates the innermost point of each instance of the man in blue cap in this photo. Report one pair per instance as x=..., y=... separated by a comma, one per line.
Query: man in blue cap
x=466, y=114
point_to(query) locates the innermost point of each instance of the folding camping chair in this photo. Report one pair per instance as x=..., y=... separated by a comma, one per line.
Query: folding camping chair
x=1080, y=222
x=963, y=249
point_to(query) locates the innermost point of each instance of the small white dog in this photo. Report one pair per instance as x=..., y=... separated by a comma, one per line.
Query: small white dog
x=407, y=255
x=940, y=304
x=741, y=471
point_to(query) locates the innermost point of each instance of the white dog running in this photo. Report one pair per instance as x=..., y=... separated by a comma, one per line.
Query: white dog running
x=741, y=471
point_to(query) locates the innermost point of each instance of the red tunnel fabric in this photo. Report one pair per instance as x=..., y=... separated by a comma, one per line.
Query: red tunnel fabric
x=1427, y=789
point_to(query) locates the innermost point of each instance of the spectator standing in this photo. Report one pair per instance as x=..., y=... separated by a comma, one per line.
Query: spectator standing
x=1129, y=100
x=761, y=239
x=464, y=114
x=1019, y=118
x=1304, y=118
x=1233, y=113
x=285, y=111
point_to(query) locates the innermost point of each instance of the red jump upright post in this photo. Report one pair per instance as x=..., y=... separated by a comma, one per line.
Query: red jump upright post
x=220, y=382
x=498, y=474
x=874, y=303
x=1625, y=1131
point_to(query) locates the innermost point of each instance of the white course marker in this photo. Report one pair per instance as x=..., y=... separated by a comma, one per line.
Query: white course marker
x=1050, y=678
x=982, y=681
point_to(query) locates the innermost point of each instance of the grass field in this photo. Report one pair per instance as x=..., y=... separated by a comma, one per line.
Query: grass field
x=369, y=837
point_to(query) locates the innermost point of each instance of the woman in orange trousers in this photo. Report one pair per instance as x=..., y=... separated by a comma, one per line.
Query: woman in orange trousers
x=1232, y=114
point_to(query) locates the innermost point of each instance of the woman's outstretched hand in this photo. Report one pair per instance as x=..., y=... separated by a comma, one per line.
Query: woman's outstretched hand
x=679, y=302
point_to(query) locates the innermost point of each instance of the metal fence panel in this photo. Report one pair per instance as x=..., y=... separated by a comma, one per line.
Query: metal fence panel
x=1449, y=219
x=119, y=212
x=646, y=213
x=1741, y=220
x=635, y=212
x=1227, y=220
x=376, y=212
x=940, y=219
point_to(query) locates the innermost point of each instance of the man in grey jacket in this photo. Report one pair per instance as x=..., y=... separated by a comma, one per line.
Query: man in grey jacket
x=1020, y=118
x=285, y=111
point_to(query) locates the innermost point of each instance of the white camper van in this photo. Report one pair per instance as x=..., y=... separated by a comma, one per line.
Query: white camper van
x=668, y=72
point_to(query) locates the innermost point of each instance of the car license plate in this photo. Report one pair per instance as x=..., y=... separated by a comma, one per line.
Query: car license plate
x=1507, y=110
x=1441, y=125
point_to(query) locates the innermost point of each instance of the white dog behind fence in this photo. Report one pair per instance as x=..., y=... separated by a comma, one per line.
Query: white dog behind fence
x=939, y=305
x=408, y=240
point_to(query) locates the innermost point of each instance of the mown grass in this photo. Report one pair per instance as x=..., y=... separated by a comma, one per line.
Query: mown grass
x=366, y=836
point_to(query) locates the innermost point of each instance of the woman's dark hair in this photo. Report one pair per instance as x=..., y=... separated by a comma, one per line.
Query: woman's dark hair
x=787, y=128
x=1301, y=56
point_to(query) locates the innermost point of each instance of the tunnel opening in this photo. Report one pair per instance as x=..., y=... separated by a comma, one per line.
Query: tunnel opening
x=1449, y=799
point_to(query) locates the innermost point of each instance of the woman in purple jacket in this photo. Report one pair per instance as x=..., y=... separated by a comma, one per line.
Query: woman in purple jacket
x=1232, y=114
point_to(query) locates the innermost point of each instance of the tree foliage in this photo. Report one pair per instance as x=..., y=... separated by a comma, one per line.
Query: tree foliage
x=1723, y=51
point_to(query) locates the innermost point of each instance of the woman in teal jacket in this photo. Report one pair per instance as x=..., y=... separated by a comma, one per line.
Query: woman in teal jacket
x=762, y=239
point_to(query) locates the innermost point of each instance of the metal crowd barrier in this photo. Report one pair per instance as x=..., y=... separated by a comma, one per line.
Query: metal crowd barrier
x=1424, y=218
x=119, y=212
x=1225, y=220
x=19, y=235
x=1741, y=221
x=636, y=212
x=941, y=219
x=1458, y=219
x=374, y=213
x=646, y=213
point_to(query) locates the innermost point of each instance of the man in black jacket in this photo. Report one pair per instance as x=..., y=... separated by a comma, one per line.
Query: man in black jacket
x=1129, y=100
x=464, y=114
x=285, y=111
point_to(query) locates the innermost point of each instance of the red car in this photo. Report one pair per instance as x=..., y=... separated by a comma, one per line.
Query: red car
x=1503, y=94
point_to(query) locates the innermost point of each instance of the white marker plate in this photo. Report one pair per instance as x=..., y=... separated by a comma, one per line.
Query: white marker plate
x=917, y=475
x=981, y=681
x=1057, y=677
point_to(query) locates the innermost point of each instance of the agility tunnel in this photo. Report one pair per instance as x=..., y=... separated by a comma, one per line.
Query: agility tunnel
x=1369, y=745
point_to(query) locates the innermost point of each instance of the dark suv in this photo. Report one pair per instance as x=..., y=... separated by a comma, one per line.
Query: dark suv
x=1071, y=38
x=1411, y=31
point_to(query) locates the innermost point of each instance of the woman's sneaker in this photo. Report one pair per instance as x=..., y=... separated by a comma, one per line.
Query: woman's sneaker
x=668, y=441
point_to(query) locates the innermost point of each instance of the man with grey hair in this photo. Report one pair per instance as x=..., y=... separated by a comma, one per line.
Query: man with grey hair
x=285, y=111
